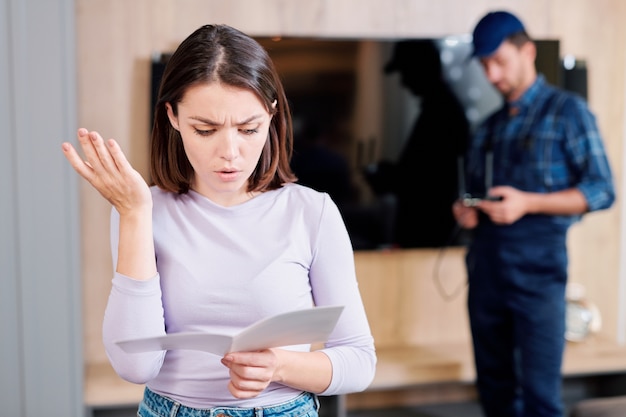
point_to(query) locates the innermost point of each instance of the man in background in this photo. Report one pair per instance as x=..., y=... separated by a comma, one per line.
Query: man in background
x=424, y=177
x=544, y=155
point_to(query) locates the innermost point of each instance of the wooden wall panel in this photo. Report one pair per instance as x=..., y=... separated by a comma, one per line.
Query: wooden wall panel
x=403, y=301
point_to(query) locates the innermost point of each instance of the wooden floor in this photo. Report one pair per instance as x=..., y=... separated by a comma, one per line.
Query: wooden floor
x=460, y=409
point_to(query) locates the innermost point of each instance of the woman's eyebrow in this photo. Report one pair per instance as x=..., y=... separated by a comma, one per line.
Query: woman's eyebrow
x=214, y=123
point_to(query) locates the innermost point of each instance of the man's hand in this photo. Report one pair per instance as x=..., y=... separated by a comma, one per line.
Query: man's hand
x=507, y=211
x=466, y=217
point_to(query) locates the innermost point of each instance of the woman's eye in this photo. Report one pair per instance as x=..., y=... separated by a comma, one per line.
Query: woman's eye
x=202, y=132
x=249, y=131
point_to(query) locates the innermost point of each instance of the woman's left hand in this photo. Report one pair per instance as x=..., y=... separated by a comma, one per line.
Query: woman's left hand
x=250, y=372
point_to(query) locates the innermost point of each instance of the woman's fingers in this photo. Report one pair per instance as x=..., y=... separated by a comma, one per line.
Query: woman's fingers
x=97, y=162
x=106, y=168
x=118, y=157
x=105, y=158
x=81, y=166
x=98, y=154
x=87, y=147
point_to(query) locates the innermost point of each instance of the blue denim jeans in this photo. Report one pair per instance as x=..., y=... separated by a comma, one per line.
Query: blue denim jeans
x=516, y=305
x=155, y=405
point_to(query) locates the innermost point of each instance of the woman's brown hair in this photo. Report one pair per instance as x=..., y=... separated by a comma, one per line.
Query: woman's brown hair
x=220, y=53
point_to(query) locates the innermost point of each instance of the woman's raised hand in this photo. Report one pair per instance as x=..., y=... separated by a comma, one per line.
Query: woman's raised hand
x=106, y=168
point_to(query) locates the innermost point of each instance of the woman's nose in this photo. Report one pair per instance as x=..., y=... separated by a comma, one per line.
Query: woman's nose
x=228, y=147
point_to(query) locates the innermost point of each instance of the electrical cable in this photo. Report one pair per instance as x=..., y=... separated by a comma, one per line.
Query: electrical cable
x=447, y=296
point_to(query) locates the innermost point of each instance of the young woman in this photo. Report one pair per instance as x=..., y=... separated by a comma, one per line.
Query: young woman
x=223, y=239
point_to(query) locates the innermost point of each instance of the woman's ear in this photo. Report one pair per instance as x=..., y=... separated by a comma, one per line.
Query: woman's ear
x=172, y=116
x=272, y=109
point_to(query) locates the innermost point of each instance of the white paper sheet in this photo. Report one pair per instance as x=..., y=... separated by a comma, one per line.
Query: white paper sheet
x=292, y=328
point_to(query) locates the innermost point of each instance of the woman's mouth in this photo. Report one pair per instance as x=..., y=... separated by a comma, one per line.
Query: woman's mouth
x=228, y=174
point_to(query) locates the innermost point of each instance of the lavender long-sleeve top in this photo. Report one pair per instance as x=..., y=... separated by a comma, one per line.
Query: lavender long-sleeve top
x=221, y=269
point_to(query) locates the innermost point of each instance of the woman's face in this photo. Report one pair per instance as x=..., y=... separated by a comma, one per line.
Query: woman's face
x=223, y=130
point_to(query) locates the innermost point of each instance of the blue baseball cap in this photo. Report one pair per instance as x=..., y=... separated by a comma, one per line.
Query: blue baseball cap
x=492, y=30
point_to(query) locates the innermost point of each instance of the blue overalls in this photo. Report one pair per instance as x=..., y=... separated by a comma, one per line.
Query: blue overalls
x=517, y=276
x=516, y=303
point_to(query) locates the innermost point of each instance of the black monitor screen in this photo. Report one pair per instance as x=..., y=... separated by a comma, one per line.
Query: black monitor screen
x=380, y=124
